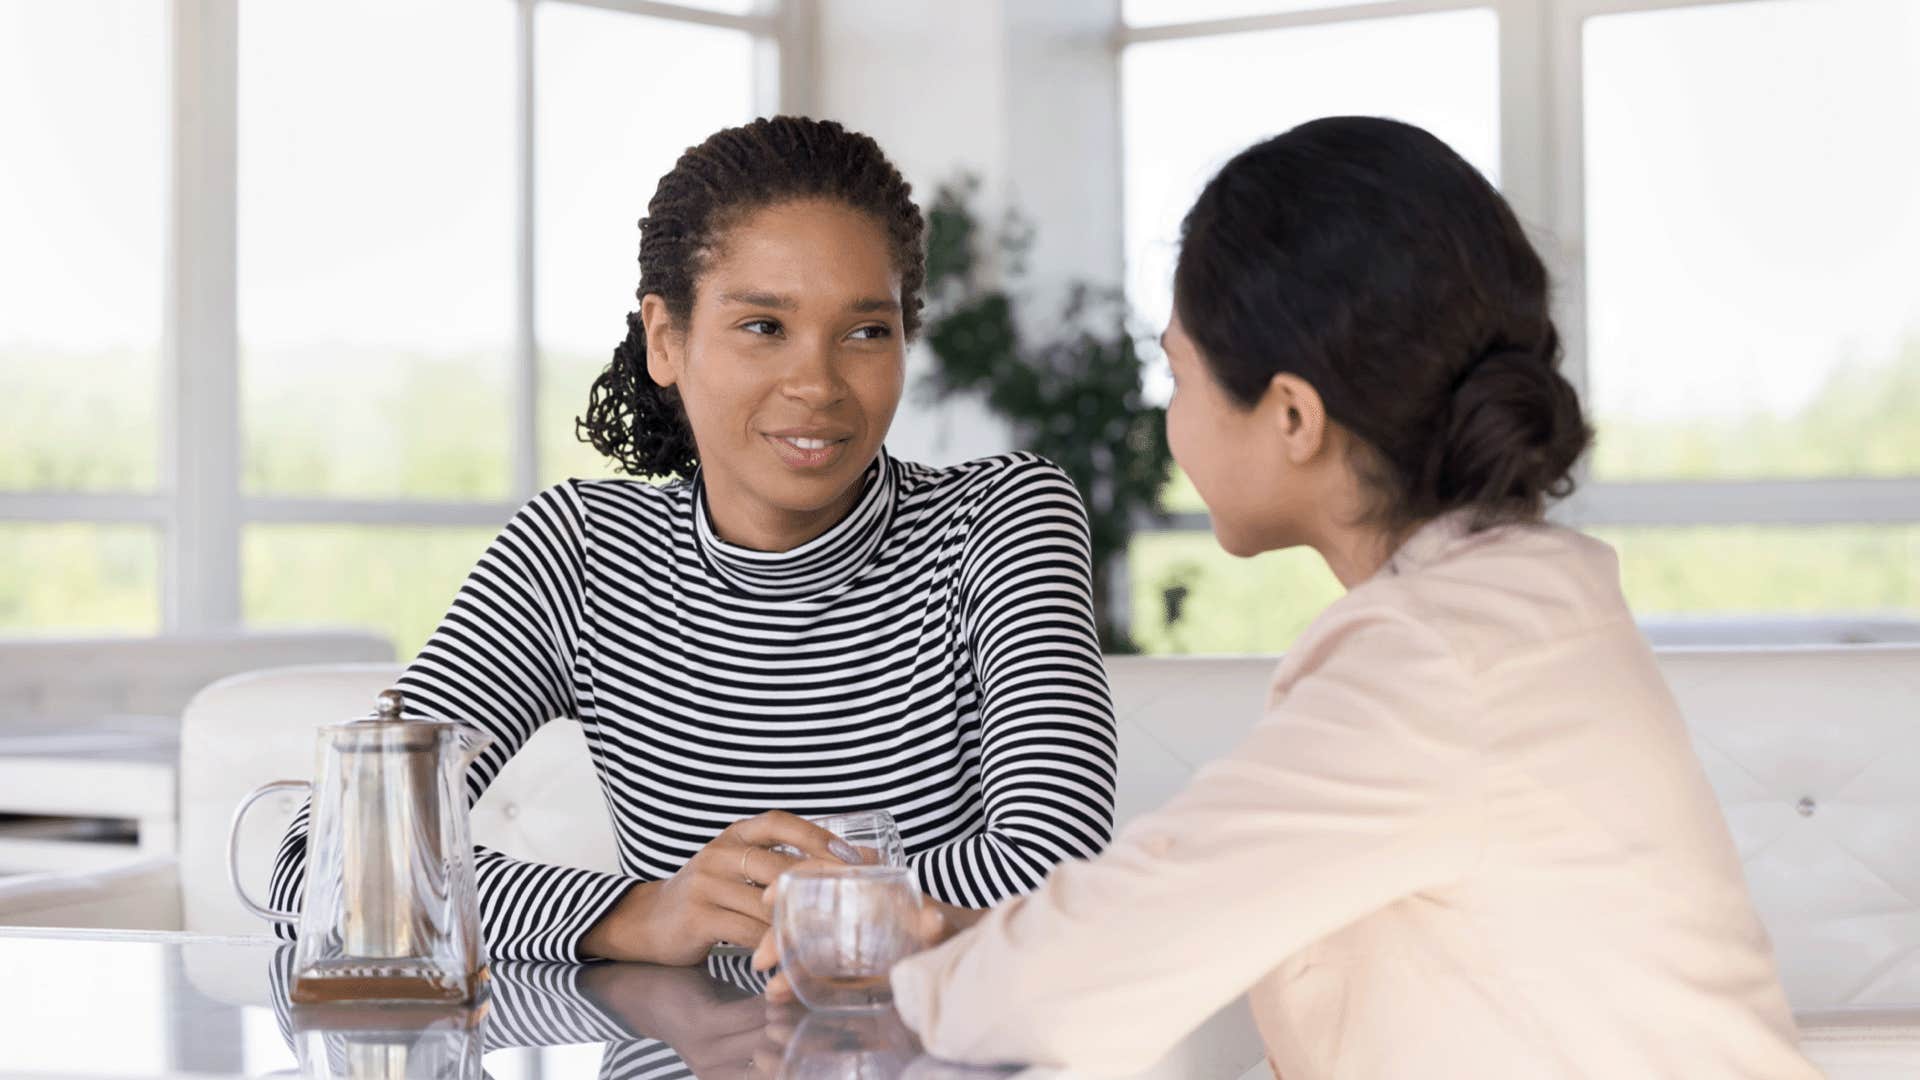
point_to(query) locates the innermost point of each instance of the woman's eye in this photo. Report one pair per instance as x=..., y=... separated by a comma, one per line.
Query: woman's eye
x=760, y=326
x=872, y=333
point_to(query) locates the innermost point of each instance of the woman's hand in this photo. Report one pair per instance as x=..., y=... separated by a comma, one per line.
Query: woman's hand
x=938, y=922
x=716, y=1028
x=715, y=897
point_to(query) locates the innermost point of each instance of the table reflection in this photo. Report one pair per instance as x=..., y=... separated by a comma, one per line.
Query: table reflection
x=651, y=1022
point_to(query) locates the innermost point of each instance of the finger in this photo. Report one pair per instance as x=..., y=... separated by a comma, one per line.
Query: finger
x=781, y=1022
x=735, y=896
x=741, y=1015
x=758, y=865
x=770, y=1057
x=780, y=827
x=770, y=896
x=767, y=953
x=718, y=924
x=933, y=926
x=779, y=990
x=731, y=1051
x=806, y=866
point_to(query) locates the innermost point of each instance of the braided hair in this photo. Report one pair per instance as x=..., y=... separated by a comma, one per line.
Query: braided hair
x=641, y=424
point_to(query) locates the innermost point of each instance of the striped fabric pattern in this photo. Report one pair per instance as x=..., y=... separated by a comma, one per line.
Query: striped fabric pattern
x=933, y=654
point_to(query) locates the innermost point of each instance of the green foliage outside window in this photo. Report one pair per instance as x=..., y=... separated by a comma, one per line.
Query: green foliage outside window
x=89, y=422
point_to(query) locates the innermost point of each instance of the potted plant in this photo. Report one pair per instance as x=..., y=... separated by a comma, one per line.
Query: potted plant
x=1073, y=396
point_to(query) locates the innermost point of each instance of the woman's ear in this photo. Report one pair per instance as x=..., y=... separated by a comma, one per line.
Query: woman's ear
x=1295, y=408
x=663, y=359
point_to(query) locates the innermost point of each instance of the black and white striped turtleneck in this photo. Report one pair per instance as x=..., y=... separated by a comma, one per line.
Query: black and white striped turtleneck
x=933, y=654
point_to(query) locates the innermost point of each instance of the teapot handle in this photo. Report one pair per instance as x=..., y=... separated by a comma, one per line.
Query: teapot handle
x=271, y=914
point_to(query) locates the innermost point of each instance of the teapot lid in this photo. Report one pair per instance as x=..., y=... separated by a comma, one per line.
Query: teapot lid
x=391, y=704
x=389, y=722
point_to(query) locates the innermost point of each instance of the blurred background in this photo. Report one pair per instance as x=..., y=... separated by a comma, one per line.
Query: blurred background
x=299, y=298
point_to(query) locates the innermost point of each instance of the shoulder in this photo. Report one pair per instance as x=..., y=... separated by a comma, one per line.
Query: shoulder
x=1378, y=627
x=1505, y=592
x=622, y=505
x=988, y=484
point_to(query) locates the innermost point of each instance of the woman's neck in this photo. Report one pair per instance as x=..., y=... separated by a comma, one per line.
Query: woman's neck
x=745, y=521
x=1354, y=553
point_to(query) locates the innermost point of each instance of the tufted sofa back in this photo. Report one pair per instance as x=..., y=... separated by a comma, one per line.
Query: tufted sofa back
x=83, y=680
x=1813, y=751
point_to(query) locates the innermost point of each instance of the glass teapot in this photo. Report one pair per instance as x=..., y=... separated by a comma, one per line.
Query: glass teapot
x=391, y=911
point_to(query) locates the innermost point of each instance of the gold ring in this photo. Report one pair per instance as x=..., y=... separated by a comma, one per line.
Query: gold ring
x=744, y=876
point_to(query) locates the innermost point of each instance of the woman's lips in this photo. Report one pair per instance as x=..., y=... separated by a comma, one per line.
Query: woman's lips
x=808, y=451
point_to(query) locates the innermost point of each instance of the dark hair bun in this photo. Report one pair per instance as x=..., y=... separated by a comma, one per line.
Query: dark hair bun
x=1369, y=259
x=1511, y=433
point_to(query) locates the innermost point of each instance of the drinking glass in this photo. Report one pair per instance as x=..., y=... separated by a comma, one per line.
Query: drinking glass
x=842, y=928
x=871, y=1045
x=873, y=833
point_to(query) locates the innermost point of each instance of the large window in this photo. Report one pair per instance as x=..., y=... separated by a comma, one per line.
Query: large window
x=1753, y=240
x=1190, y=103
x=598, y=160
x=376, y=232
x=82, y=204
x=291, y=331
x=1729, y=192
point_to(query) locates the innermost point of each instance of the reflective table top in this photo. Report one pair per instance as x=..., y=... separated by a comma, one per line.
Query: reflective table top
x=106, y=1004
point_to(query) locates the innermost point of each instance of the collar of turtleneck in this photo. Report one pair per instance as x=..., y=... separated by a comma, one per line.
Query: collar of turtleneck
x=823, y=563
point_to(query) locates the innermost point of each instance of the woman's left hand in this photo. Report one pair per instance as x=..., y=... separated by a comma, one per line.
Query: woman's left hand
x=938, y=922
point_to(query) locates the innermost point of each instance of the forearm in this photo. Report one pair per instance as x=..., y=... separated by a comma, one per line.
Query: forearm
x=533, y=911
x=1012, y=854
x=623, y=932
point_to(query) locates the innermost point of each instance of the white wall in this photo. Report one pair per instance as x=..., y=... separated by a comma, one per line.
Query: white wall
x=1021, y=94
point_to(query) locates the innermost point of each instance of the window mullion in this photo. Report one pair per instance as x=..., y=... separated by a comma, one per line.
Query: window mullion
x=524, y=385
x=201, y=429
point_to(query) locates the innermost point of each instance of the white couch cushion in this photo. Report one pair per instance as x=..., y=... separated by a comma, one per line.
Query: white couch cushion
x=1814, y=754
x=1175, y=713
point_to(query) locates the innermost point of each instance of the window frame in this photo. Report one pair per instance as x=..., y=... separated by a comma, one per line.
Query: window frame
x=199, y=509
x=1542, y=161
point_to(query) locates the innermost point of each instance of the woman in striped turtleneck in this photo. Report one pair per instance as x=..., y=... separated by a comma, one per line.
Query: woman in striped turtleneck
x=799, y=623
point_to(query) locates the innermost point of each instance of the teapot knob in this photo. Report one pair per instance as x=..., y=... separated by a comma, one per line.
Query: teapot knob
x=391, y=704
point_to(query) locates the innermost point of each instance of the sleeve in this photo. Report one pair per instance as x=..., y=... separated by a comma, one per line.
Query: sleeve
x=542, y=1004
x=1048, y=739
x=1357, y=788
x=502, y=661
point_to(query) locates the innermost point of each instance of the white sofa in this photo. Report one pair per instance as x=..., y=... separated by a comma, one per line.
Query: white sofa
x=1814, y=752
x=89, y=735
x=81, y=680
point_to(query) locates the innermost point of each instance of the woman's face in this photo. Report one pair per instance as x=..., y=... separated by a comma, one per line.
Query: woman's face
x=789, y=368
x=1235, y=456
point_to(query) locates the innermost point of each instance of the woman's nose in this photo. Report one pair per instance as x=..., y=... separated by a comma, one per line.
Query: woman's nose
x=815, y=378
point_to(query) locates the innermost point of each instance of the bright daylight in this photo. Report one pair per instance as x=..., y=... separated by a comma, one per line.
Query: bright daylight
x=1222, y=539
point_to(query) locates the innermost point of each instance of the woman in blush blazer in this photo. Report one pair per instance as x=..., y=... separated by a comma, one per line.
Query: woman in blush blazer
x=1468, y=837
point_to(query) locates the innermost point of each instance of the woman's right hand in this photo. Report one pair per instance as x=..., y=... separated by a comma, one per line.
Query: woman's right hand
x=716, y=1028
x=717, y=896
